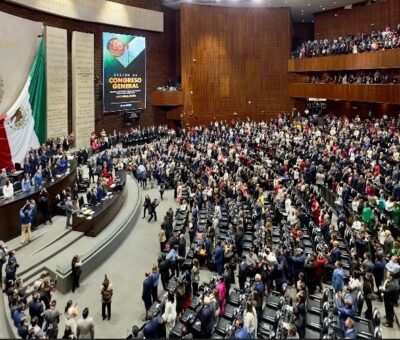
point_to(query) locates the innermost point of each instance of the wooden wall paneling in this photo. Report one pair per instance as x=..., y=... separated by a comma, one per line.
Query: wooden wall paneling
x=240, y=62
x=379, y=93
x=161, y=56
x=339, y=22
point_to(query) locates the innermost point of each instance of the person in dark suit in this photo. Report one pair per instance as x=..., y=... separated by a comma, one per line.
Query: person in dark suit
x=152, y=210
x=207, y=318
x=36, y=308
x=44, y=206
x=147, y=291
x=219, y=258
x=389, y=290
x=146, y=205
x=151, y=329
x=76, y=270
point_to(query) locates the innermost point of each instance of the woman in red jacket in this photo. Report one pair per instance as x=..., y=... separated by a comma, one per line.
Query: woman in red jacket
x=319, y=270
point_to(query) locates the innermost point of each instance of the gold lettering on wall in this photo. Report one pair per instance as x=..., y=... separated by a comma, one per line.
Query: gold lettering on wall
x=57, y=81
x=82, y=87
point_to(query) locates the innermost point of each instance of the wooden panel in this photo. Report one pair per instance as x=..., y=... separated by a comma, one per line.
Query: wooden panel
x=360, y=61
x=340, y=22
x=233, y=61
x=363, y=93
x=167, y=98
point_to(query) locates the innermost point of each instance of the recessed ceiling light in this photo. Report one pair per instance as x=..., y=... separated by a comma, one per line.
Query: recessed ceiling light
x=308, y=4
x=323, y=8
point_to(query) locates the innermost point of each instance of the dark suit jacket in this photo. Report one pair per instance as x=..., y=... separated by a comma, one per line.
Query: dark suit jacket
x=390, y=292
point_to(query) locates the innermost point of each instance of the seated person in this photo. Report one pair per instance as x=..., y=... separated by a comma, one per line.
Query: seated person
x=8, y=190
x=47, y=173
x=92, y=197
x=110, y=181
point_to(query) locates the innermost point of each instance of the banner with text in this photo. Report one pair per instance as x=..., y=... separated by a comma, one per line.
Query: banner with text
x=124, y=72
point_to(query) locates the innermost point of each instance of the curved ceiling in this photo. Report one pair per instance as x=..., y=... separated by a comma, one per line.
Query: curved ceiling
x=302, y=10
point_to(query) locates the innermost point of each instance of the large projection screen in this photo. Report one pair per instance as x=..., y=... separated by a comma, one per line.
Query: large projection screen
x=124, y=72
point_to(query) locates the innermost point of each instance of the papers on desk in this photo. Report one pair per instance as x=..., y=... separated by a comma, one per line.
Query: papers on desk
x=86, y=212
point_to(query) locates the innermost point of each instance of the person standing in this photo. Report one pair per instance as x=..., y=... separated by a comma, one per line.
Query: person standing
x=147, y=291
x=250, y=319
x=69, y=210
x=162, y=189
x=146, y=205
x=337, y=277
x=219, y=258
x=52, y=319
x=170, y=314
x=207, y=318
x=36, y=308
x=195, y=273
x=26, y=216
x=152, y=210
x=3, y=254
x=368, y=290
x=76, y=271
x=162, y=237
x=44, y=206
x=155, y=277
x=389, y=290
x=85, y=326
x=106, y=297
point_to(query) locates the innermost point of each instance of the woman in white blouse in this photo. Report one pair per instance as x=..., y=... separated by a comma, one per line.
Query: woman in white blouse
x=169, y=315
x=250, y=319
x=8, y=190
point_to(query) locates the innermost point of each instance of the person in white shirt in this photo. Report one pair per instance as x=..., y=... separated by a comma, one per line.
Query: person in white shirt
x=288, y=204
x=169, y=315
x=8, y=190
x=356, y=224
x=355, y=203
x=85, y=326
x=250, y=319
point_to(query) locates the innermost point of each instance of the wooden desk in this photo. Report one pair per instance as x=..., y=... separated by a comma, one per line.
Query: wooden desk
x=167, y=98
x=104, y=212
x=10, y=225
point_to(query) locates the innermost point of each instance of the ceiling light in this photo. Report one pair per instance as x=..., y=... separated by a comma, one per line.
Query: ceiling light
x=308, y=4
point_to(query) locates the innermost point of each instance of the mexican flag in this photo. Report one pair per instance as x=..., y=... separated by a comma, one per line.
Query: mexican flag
x=23, y=126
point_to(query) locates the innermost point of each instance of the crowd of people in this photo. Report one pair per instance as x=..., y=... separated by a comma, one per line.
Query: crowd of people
x=264, y=166
x=389, y=38
x=376, y=77
x=356, y=160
